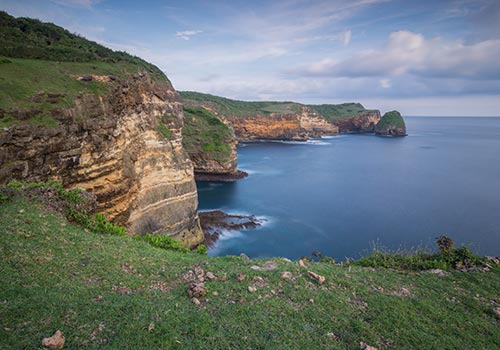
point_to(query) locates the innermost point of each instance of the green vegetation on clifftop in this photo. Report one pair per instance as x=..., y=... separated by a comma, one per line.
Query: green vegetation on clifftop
x=111, y=292
x=392, y=118
x=229, y=107
x=203, y=132
x=39, y=66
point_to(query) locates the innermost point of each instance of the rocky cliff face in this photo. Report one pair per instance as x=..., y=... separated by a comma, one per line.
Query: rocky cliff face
x=315, y=125
x=124, y=147
x=274, y=126
x=363, y=123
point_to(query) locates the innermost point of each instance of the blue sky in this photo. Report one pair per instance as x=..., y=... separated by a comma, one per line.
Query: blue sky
x=420, y=57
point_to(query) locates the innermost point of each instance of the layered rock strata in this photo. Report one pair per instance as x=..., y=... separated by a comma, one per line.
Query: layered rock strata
x=275, y=126
x=125, y=147
x=315, y=124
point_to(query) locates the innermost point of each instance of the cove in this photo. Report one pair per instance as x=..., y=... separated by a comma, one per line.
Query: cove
x=344, y=195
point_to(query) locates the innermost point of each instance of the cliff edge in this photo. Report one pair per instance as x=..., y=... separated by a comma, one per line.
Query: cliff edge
x=110, y=125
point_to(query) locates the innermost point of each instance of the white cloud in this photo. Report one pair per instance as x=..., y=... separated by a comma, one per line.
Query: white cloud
x=187, y=34
x=385, y=83
x=346, y=37
x=406, y=52
x=77, y=3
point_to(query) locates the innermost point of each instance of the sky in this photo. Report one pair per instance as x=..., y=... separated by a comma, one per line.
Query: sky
x=439, y=57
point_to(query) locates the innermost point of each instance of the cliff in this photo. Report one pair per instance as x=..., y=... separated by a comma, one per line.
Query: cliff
x=285, y=120
x=362, y=123
x=113, y=129
x=391, y=124
x=267, y=120
x=210, y=144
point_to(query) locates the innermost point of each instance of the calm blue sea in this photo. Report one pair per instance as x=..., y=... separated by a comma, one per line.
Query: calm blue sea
x=345, y=194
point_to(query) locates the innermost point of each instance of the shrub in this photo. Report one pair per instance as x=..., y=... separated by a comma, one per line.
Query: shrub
x=202, y=249
x=164, y=131
x=163, y=241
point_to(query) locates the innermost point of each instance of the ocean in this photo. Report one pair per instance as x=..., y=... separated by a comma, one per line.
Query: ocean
x=346, y=195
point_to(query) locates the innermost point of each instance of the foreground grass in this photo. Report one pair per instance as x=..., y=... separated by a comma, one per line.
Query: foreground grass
x=110, y=292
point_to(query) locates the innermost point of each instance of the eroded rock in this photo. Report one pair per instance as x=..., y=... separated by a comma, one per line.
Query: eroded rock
x=55, y=342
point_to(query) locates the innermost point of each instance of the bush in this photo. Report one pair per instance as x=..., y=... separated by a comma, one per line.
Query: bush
x=202, y=249
x=446, y=258
x=163, y=241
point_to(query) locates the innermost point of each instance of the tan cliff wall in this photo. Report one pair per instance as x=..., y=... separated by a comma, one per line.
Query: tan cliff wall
x=315, y=124
x=274, y=126
x=363, y=123
x=110, y=146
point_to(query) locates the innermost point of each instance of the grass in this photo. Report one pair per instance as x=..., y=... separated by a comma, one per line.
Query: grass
x=339, y=111
x=204, y=133
x=228, y=107
x=31, y=38
x=112, y=292
x=39, y=66
x=392, y=118
x=25, y=83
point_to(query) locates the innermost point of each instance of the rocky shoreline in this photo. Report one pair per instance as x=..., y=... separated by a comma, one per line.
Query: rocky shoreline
x=214, y=222
x=221, y=177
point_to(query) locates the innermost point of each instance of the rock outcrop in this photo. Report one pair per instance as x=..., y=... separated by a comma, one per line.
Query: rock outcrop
x=125, y=147
x=360, y=123
x=211, y=146
x=391, y=124
x=315, y=124
x=274, y=126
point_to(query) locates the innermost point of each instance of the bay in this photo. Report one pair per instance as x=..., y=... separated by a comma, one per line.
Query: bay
x=344, y=195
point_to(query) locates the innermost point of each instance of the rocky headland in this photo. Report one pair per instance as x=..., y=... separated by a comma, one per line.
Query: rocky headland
x=391, y=124
x=291, y=121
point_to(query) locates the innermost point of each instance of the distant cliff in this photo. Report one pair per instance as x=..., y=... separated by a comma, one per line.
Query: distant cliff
x=285, y=120
x=111, y=126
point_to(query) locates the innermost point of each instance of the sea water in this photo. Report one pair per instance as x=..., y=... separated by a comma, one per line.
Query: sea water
x=345, y=195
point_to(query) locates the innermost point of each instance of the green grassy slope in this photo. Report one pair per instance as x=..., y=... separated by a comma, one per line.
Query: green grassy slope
x=39, y=66
x=205, y=133
x=392, y=118
x=31, y=38
x=227, y=106
x=340, y=111
x=111, y=292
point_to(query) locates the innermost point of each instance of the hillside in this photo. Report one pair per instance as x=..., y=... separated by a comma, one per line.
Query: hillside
x=44, y=68
x=112, y=292
x=226, y=106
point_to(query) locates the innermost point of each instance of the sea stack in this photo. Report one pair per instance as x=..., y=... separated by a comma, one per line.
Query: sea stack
x=391, y=124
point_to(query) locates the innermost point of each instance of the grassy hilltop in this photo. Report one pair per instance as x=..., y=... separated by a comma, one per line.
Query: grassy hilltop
x=113, y=292
x=39, y=66
x=226, y=106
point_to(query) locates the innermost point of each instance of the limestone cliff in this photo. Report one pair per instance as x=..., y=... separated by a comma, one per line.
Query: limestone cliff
x=315, y=124
x=361, y=123
x=124, y=146
x=275, y=126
